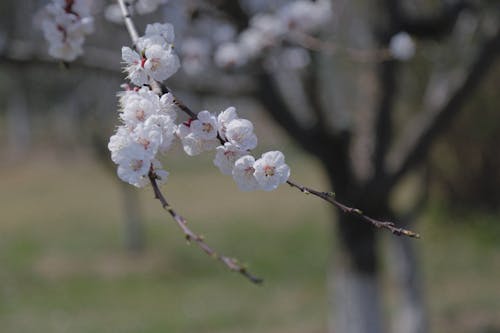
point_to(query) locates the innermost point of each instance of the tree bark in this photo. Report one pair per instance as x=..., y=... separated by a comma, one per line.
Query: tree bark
x=411, y=315
x=353, y=280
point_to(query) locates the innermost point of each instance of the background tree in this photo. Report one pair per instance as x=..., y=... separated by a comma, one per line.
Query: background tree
x=354, y=130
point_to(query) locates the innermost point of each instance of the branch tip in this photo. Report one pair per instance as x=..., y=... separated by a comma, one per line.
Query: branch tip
x=330, y=197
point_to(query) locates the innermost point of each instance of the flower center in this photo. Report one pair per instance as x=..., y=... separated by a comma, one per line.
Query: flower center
x=207, y=127
x=250, y=171
x=155, y=64
x=144, y=142
x=140, y=115
x=136, y=164
x=269, y=170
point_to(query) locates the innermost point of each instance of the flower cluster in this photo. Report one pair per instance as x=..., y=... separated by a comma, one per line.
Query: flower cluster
x=233, y=138
x=154, y=58
x=65, y=24
x=268, y=30
x=147, y=128
x=148, y=125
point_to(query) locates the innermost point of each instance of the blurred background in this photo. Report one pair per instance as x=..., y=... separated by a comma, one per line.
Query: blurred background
x=408, y=133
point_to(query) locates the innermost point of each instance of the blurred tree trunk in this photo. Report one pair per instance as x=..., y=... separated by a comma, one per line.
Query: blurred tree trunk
x=411, y=315
x=353, y=280
x=133, y=231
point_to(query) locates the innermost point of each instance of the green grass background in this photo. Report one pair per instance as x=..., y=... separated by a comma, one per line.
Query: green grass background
x=63, y=267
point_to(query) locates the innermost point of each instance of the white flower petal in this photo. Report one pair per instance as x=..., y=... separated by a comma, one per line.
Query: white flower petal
x=243, y=173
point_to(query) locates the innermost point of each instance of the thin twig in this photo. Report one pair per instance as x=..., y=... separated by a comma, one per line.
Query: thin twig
x=129, y=23
x=184, y=108
x=315, y=44
x=231, y=263
x=330, y=197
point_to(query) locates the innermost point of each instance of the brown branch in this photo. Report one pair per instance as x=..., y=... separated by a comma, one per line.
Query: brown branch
x=231, y=263
x=184, y=108
x=315, y=44
x=330, y=197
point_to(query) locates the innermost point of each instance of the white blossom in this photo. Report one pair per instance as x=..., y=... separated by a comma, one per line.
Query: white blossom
x=266, y=31
x=160, y=63
x=243, y=173
x=133, y=164
x=226, y=156
x=252, y=42
x=167, y=106
x=192, y=144
x=134, y=66
x=137, y=109
x=240, y=133
x=65, y=26
x=166, y=127
x=148, y=136
x=154, y=58
x=224, y=118
x=118, y=141
x=402, y=46
x=268, y=25
x=271, y=170
x=230, y=55
x=205, y=126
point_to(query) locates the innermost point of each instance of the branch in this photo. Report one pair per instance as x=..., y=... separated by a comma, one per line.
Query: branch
x=424, y=131
x=330, y=197
x=328, y=47
x=231, y=263
x=129, y=23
